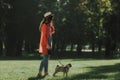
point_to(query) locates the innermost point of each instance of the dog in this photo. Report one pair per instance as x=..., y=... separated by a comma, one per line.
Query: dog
x=64, y=69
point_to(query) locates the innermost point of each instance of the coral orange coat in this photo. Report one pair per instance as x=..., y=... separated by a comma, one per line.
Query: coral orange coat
x=45, y=33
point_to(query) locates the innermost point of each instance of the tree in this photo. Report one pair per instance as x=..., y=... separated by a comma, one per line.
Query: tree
x=113, y=30
x=20, y=25
x=96, y=12
x=5, y=7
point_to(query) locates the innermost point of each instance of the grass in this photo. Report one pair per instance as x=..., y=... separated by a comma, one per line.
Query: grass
x=82, y=69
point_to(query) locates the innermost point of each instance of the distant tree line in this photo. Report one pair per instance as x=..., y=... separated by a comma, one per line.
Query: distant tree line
x=77, y=23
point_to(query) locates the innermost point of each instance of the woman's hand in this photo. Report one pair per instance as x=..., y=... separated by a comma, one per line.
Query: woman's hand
x=48, y=47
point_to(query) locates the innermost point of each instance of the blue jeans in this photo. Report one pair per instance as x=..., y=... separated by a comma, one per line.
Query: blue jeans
x=44, y=63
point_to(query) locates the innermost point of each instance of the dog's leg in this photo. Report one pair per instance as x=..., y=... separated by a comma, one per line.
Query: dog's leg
x=66, y=74
x=55, y=73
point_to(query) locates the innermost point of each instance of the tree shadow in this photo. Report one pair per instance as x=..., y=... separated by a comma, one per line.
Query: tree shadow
x=98, y=73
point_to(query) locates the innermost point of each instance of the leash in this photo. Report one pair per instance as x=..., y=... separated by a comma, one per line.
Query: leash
x=59, y=61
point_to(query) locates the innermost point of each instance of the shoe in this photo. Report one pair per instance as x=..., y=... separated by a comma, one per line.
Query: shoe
x=39, y=75
x=46, y=74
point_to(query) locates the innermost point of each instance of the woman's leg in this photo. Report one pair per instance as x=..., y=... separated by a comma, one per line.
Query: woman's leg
x=41, y=66
x=44, y=64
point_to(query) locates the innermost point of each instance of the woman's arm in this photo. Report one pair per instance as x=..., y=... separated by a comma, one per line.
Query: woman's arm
x=52, y=27
x=40, y=25
x=44, y=40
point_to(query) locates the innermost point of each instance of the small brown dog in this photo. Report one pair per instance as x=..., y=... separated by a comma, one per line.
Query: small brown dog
x=63, y=69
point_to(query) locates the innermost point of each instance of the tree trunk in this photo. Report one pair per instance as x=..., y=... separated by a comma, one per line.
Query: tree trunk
x=72, y=47
x=93, y=47
x=113, y=48
x=18, y=48
x=13, y=41
x=108, y=48
x=99, y=47
x=1, y=49
x=10, y=47
x=79, y=49
x=62, y=47
x=27, y=47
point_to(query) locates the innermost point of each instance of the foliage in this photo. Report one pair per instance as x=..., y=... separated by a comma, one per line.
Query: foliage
x=77, y=23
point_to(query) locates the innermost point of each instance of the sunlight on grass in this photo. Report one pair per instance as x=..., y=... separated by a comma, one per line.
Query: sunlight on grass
x=81, y=69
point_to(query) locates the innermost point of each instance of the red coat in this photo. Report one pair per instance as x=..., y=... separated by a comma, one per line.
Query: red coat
x=45, y=33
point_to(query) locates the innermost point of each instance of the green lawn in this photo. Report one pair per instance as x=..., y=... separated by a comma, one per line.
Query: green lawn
x=82, y=69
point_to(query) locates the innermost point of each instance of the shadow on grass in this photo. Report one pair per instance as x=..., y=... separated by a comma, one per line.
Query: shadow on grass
x=36, y=78
x=99, y=73
x=111, y=72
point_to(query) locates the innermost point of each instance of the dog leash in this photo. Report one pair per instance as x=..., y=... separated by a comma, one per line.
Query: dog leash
x=59, y=61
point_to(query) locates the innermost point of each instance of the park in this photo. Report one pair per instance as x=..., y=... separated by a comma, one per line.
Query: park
x=87, y=35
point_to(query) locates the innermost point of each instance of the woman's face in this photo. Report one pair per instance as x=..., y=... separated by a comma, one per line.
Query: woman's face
x=51, y=23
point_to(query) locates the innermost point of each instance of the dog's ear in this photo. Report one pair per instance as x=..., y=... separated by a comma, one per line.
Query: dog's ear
x=57, y=66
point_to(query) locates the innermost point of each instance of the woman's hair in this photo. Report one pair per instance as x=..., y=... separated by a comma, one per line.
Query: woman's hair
x=46, y=20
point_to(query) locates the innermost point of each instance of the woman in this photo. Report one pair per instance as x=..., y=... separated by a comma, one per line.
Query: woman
x=45, y=47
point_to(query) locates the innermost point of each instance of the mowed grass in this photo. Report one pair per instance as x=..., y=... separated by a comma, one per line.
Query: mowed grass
x=82, y=69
